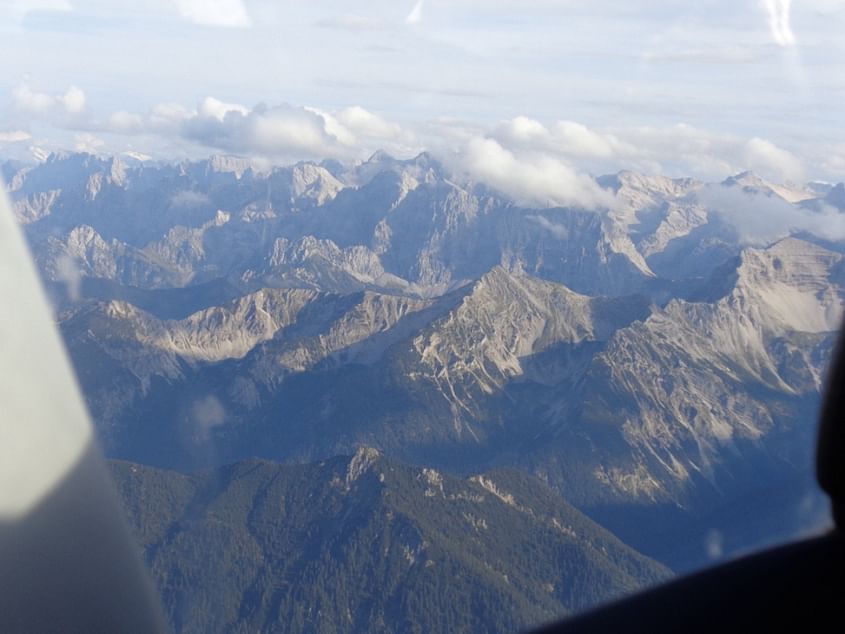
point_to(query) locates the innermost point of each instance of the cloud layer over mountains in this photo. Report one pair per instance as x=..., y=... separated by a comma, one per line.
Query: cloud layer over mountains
x=705, y=89
x=537, y=164
x=540, y=163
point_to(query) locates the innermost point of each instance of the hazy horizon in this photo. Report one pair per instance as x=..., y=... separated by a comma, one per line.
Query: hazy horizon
x=497, y=90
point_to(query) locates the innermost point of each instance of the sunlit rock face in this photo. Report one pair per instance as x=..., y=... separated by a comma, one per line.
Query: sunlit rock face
x=652, y=353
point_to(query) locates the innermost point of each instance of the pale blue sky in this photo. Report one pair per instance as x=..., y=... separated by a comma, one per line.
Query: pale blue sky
x=702, y=88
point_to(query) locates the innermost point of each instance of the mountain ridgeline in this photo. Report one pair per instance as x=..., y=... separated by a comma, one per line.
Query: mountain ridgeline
x=651, y=363
x=367, y=544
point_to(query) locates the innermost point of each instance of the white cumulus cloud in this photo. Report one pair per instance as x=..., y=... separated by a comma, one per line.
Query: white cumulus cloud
x=524, y=130
x=211, y=107
x=561, y=151
x=579, y=140
x=770, y=160
x=280, y=131
x=366, y=124
x=73, y=100
x=25, y=99
x=569, y=142
x=531, y=179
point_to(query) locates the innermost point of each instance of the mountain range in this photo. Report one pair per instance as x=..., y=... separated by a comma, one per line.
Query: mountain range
x=654, y=364
x=363, y=543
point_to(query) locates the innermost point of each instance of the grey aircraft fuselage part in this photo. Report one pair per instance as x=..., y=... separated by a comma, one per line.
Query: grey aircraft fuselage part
x=67, y=560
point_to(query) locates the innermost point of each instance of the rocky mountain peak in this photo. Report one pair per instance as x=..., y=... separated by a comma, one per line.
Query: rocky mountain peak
x=361, y=462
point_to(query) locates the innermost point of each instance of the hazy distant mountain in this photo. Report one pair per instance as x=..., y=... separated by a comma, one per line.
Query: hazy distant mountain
x=646, y=361
x=400, y=226
x=367, y=544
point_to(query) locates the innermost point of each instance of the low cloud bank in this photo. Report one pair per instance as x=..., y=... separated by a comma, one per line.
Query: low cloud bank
x=760, y=218
x=282, y=133
x=533, y=179
x=536, y=163
x=26, y=100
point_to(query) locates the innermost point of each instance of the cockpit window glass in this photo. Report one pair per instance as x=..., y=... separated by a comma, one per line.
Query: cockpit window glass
x=436, y=316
